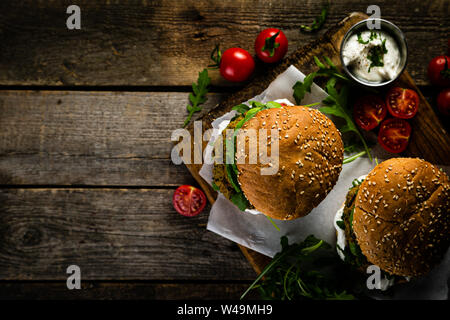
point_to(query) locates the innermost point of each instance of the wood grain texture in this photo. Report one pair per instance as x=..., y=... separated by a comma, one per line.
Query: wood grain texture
x=429, y=139
x=111, y=234
x=91, y=138
x=167, y=42
x=125, y=290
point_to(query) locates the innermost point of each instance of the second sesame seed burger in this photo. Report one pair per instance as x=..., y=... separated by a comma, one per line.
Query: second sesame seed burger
x=398, y=218
x=309, y=162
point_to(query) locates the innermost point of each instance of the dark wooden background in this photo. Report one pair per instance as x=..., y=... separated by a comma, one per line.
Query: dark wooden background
x=85, y=123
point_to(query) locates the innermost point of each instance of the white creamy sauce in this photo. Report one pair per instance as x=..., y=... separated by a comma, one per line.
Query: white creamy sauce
x=356, y=56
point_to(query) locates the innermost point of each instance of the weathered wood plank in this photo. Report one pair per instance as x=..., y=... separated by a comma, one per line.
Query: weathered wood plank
x=125, y=291
x=111, y=234
x=429, y=139
x=91, y=138
x=168, y=42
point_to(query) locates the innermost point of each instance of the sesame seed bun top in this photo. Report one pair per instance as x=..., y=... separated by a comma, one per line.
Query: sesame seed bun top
x=310, y=161
x=401, y=216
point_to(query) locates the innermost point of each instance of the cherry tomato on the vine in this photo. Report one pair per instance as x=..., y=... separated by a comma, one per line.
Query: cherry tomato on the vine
x=271, y=45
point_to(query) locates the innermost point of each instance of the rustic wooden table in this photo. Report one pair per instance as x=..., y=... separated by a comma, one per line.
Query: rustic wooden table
x=86, y=117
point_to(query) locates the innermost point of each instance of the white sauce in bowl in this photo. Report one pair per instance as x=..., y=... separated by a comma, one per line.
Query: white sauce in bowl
x=359, y=55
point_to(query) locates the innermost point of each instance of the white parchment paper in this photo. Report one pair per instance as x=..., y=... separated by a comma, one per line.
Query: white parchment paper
x=256, y=232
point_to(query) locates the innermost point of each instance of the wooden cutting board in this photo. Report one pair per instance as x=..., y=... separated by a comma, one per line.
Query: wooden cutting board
x=429, y=140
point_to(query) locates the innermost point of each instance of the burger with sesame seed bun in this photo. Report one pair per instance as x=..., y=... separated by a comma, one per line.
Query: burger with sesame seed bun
x=396, y=217
x=310, y=155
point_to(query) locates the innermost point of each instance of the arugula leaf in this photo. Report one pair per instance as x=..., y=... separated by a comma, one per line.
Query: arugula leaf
x=240, y=200
x=198, y=97
x=336, y=102
x=241, y=108
x=325, y=70
x=300, y=88
x=354, y=157
x=319, y=21
x=307, y=270
x=340, y=224
x=216, y=57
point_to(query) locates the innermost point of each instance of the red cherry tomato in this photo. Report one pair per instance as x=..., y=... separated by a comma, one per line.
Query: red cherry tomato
x=402, y=103
x=189, y=201
x=439, y=71
x=271, y=45
x=443, y=102
x=369, y=111
x=236, y=65
x=394, y=135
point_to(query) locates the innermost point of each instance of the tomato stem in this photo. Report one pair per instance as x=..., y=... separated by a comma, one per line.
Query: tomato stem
x=270, y=44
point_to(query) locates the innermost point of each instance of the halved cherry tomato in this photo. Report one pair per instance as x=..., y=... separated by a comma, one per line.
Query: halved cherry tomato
x=394, y=135
x=369, y=111
x=189, y=201
x=271, y=45
x=402, y=103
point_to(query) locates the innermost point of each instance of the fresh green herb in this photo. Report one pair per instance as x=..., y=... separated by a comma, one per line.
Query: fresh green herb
x=307, y=270
x=241, y=108
x=352, y=148
x=270, y=44
x=336, y=104
x=325, y=70
x=198, y=96
x=336, y=101
x=340, y=224
x=360, y=39
x=215, y=186
x=319, y=21
x=216, y=57
x=273, y=223
x=351, y=217
x=376, y=55
x=240, y=200
x=356, y=182
x=373, y=35
x=354, y=157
